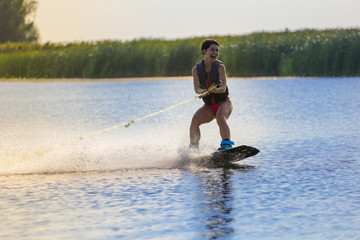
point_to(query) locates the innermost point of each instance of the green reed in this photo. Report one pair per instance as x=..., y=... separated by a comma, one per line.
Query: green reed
x=301, y=53
x=325, y=54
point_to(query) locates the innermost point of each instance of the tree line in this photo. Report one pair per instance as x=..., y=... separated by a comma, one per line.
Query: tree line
x=333, y=52
x=301, y=53
x=15, y=21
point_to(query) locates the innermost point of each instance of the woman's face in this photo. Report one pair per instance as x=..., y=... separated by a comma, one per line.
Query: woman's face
x=212, y=52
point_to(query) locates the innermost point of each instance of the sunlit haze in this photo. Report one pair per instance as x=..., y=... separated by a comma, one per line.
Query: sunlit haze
x=92, y=20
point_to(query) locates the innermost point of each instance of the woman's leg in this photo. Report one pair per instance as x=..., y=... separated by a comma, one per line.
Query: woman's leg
x=201, y=116
x=222, y=116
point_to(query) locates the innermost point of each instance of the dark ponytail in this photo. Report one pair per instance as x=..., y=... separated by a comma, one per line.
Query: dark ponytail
x=207, y=43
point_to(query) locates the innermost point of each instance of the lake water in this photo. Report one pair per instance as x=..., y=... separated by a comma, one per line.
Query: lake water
x=132, y=183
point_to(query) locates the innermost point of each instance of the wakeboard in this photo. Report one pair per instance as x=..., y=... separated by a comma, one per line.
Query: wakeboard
x=230, y=156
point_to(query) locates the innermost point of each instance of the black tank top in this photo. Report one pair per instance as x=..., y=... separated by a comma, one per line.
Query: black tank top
x=207, y=79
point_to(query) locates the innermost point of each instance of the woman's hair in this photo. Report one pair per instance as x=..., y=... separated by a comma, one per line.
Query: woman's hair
x=207, y=43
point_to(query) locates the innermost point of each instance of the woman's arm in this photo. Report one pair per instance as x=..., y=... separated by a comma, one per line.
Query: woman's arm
x=196, y=81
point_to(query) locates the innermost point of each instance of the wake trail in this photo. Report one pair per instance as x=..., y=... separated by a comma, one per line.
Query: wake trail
x=109, y=155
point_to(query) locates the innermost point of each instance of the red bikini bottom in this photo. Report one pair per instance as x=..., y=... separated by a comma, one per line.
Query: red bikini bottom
x=215, y=107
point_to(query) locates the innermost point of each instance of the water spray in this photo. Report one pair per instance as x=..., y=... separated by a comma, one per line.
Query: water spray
x=40, y=153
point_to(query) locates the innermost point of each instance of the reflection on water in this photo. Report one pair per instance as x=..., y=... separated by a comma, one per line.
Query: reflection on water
x=215, y=202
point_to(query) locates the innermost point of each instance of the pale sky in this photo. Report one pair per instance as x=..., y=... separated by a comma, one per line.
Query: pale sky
x=92, y=20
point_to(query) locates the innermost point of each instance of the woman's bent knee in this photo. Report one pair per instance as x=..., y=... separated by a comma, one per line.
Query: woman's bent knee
x=221, y=120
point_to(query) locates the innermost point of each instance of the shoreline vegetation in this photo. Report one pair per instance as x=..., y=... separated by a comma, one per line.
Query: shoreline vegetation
x=305, y=53
x=133, y=79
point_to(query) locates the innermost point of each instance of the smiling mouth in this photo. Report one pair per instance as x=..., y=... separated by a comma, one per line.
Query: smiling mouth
x=212, y=56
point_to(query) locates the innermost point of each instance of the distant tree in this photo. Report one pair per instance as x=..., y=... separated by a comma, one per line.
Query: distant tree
x=14, y=21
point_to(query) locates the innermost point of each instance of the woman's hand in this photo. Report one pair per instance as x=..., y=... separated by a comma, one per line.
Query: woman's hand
x=202, y=91
x=219, y=89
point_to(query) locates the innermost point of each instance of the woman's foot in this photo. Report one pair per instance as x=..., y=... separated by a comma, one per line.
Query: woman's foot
x=226, y=144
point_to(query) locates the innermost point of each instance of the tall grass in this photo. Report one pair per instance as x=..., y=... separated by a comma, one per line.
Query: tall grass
x=301, y=53
x=328, y=54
